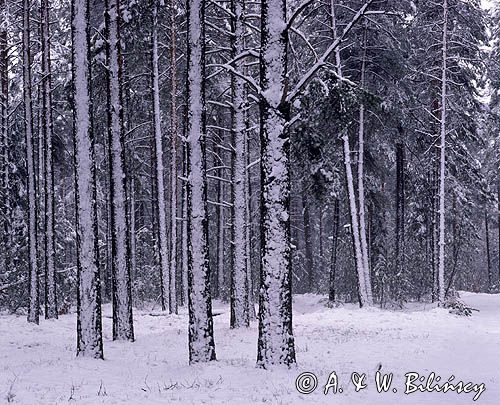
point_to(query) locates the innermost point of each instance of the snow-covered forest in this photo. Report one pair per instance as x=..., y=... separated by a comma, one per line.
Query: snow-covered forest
x=212, y=189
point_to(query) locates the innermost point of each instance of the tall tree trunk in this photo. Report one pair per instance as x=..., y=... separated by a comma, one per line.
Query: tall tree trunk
x=333, y=260
x=173, y=161
x=201, y=340
x=47, y=131
x=239, y=280
x=442, y=160
x=276, y=342
x=89, y=325
x=160, y=202
x=123, y=328
x=34, y=299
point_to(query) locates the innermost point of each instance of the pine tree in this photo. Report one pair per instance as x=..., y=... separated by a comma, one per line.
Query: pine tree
x=123, y=328
x=239, y=281
x=276, y=342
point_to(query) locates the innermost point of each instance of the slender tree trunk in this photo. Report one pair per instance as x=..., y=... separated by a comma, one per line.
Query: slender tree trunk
x=488, y=253
x=47, y=131
x=34, y=299
x=159, y=201
x=335, y=238
x=400, y=208
x=358, y=254
x=239, y=280
x=133, y=244
x=123, y=328
x=184, y=243
x=276, y=342
x=4, y=142
x=201, y=340
x=221, y=235
x=309, y=259
x=442, y=161
x=173, y=162
x=248, y=229
x=89, y=326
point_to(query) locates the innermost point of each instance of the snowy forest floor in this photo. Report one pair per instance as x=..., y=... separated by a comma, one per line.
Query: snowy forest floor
x=38, y=364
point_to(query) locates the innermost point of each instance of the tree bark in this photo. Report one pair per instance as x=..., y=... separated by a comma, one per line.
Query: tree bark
x=89, y=326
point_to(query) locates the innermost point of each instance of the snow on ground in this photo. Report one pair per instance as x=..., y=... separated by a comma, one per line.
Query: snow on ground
x=38, y=364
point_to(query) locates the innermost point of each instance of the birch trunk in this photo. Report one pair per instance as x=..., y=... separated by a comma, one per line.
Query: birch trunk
x=361, y=186
x=361, y=202
x=239, y=281
x=276, y=342
x=123, y=328
x=358, y=255
x=442, y=160
x=161, y=206
x=34, y=299
x=201, y=341
x=89, y=326
x=47, y=131
x=173, y=162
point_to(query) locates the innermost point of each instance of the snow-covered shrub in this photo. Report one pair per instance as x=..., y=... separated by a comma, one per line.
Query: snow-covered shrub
x=457, y=307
